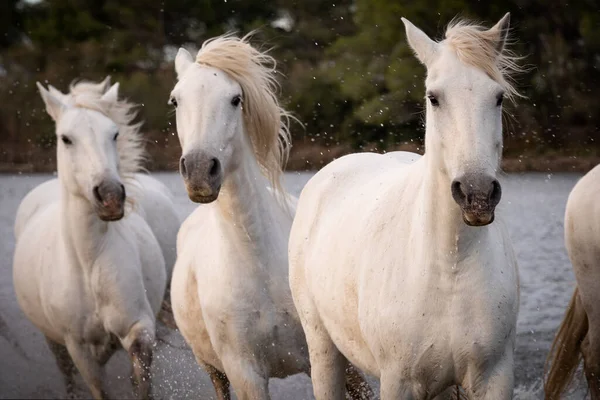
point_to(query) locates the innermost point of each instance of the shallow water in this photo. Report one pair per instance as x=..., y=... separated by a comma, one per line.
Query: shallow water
x=533, y=205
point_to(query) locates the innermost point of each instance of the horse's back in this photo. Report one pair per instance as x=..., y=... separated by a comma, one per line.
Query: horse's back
x=582, y=233
x=347, y=183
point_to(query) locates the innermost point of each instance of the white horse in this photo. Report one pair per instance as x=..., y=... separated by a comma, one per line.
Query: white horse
x=395, y=264
x=579, y=333
x=155, y=201
x=230, y=292
x=89, y=272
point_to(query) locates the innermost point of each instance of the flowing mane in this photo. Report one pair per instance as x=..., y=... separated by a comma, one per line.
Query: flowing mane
x=265, y=121
x=130, y=145
x=475, y=45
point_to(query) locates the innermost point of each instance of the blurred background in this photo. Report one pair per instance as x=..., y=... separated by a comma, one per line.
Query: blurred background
x=349, y=75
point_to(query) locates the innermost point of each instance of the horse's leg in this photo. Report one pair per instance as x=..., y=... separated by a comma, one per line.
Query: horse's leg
x=90, y=369
x=65, y=365
x=165, y=315
x=356, y=386
x=248, y=383
x=590, y=348
x=499, y=384
x=392, y=387
x=139, y=344
x=219, y=381
x=327, y=363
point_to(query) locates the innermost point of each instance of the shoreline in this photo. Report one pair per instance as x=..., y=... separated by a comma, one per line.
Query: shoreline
x=313, y=157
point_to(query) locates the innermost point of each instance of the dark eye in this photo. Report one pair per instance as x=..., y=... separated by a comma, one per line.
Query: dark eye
x=236, y=100
x=66, y=140
x=433, y=100
x=173, y=102
x=500, y=100
x=116, y=136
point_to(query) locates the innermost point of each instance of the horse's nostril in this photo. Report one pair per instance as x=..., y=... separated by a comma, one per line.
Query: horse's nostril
x=97, y=196
x=215, y=167
x=496, y=192
x=458, y=192
x=123, y=194
x=182, y=168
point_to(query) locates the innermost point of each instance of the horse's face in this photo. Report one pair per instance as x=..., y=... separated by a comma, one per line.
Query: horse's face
x=209, y=125
x=87, y=154
x=464, y=126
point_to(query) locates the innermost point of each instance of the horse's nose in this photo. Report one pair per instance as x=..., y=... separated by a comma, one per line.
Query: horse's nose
x=200, y=164
x=467, y=191
x=477, y=195
x=202, y=174
x=110, y=196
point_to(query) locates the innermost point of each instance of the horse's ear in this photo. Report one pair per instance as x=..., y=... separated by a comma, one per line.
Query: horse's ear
x=422, y=45
x=105, y=84
x=182, y=61
x=57, y=93
x=54, y=104
x=112, y=95
x=501, y=30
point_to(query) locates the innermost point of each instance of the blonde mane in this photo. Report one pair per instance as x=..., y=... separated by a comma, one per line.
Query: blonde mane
x=130, y=145
x=266, y=123
x=477, y=46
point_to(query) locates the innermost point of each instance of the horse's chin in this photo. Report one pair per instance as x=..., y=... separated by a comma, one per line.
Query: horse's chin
x=203, y=199
x=110, y=216
x=203, y=195
x=478, y=219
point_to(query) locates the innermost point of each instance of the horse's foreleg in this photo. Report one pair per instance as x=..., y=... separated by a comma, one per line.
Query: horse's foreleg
x=88, y=366
x=219, y=381
x=499, y=384
x=65, y=365
x=248, y=382
x=357, y=387
x=140, y=350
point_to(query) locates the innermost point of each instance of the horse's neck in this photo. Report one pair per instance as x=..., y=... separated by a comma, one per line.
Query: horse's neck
x=441, y=216
x=82, y=230
x=247, y=207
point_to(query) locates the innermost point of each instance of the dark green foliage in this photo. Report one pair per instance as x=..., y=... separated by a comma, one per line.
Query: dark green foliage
x=349, y=74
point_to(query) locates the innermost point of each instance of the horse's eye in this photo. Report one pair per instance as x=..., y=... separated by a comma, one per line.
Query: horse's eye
x=500, y=100
x=173, y=102
x=116, y=136
x=432, y=99
x=66, y=140
x=236, y=100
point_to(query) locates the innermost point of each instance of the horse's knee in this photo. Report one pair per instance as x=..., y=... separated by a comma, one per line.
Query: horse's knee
x=141, y=353
x=249, y=381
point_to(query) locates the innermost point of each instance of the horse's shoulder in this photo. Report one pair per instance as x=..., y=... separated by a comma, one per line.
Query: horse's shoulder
x=37, y=199
x=191, y=224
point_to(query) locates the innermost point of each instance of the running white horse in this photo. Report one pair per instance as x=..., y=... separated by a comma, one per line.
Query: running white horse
x=397, y=263
x=579, y=333
x=88, y=271
x=155, y=202
x=230, y=291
